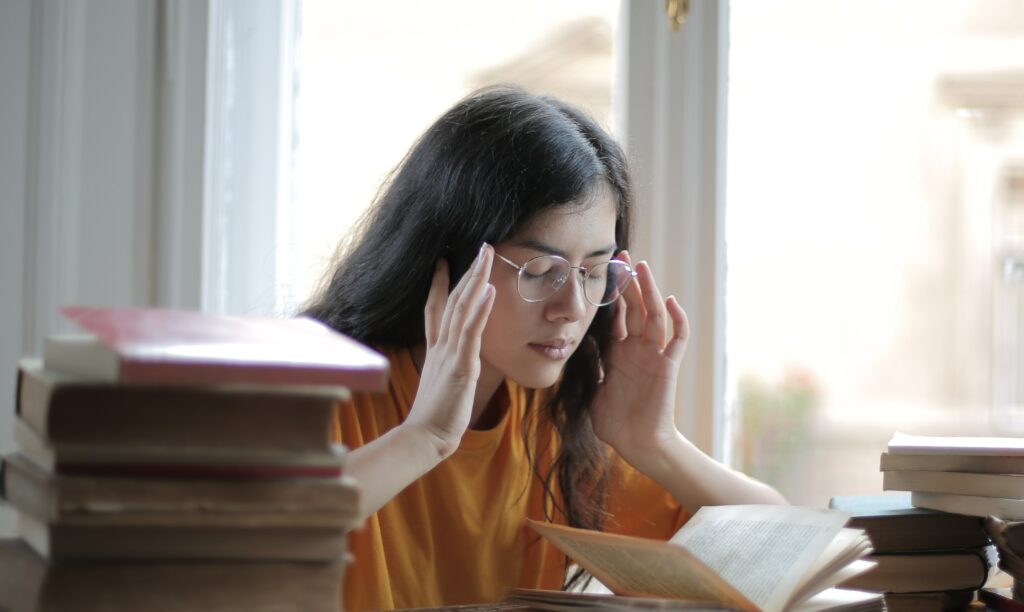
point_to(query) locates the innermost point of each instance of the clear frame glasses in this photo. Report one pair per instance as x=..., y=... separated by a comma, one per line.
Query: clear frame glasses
x=542, y=277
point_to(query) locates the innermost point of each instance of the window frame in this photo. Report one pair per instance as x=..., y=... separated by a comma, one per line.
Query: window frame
x=671, y=103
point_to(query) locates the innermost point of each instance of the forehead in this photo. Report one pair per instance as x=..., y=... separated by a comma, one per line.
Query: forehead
x=576, y=224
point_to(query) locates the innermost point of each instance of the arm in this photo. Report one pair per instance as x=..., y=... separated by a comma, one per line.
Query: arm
x=441, y=412
x=696, y=480
x=634, y=410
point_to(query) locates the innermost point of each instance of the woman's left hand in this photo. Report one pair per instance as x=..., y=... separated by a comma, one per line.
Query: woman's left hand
x=634, y=410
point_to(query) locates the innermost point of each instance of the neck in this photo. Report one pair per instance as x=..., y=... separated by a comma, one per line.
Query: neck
x=486, y=386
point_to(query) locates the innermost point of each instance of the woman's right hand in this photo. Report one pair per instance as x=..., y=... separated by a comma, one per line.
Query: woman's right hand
x=454, y=324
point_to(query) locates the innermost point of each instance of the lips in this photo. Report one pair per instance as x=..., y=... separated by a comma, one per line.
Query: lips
x=556, y=348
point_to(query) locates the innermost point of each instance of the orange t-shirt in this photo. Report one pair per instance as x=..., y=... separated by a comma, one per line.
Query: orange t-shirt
x=457, y=535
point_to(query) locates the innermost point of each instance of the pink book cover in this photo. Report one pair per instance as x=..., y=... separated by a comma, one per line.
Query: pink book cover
x=155, y=345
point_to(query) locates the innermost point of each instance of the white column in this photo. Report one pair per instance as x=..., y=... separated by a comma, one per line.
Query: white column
x=672, y=103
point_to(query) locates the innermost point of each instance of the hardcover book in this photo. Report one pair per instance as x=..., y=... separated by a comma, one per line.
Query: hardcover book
x=925, y=571
x=30, y=583
x=175, y=501
x=69, y=411
x=180, y=462
x=153, y=345
x=70, y=541
x=895, y=525
x=930, y=601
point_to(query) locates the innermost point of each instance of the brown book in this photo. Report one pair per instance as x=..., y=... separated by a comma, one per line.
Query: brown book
x=748, y=557
x=69, y=411
x=66, y=541
x=29, y=583
x=925, y=571
x=936, y=601
x=181, y=462
x=894, y=525
x=97, y=500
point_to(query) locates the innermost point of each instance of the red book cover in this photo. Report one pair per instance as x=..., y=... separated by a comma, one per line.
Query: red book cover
x=153, y=345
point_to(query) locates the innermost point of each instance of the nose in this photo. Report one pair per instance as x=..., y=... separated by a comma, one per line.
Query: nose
x=568, y=303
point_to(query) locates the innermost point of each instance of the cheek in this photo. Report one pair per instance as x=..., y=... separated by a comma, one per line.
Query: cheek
x=505, y=323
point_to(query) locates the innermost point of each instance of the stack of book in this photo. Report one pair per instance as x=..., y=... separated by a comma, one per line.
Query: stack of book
x=926, y=559
x=976, y=476
x=170, y=460
x=967, y=475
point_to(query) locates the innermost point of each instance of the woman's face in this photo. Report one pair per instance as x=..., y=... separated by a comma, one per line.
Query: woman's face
x=530, y=342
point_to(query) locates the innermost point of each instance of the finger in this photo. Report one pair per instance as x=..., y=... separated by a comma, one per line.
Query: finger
x=471, y=293
x=680, y=330
x=472, y=333
x=433, y=313
x=619, y=323
x=633, y=298
x=456, y=294
x=656, y=325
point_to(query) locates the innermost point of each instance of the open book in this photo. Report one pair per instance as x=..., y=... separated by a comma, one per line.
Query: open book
x=750, y=557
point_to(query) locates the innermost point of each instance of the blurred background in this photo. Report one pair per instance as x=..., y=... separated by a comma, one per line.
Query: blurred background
x=869, y=252
x=874, y=198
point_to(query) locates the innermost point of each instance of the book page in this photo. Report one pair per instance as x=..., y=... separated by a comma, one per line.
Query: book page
x=634, y=566
x=831, y=567
x=763, y=551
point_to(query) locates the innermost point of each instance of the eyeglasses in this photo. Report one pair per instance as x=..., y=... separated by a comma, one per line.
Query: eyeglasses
x=541, y=277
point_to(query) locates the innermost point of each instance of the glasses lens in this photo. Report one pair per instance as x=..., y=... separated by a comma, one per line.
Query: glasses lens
x=542, y=276
x=607, y=281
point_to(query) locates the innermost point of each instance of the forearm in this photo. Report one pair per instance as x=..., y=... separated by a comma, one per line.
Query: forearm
x=387, y=465
x=697, y=480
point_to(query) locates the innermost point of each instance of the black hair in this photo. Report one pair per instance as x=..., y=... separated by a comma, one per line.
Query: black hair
x=479, y=174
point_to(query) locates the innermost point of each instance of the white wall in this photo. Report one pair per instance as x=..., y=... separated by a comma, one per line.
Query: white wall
x=89, y=188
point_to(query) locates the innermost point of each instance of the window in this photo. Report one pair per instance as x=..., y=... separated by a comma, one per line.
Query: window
x=874, y=234
x=373, y=76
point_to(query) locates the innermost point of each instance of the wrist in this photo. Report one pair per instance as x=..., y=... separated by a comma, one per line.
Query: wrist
x=431, y=446
x=655, y=457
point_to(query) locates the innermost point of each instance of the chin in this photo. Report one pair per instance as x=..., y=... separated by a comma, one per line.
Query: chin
x=535, y=375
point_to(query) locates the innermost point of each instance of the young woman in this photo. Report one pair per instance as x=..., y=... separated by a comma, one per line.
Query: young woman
x=534, y=366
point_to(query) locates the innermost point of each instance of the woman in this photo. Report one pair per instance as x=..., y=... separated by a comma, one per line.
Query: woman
x=540, y=385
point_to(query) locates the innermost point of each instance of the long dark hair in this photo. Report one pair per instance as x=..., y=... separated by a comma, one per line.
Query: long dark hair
x=478, y=174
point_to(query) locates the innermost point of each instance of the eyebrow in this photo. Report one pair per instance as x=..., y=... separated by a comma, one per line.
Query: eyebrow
x=536, y=245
